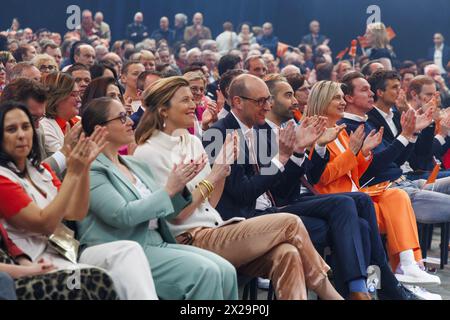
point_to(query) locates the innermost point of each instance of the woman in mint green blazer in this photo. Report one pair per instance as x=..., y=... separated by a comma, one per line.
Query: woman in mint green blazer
x=125, y=204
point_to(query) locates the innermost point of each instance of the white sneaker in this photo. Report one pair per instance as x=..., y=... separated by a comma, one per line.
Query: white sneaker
x=263, y=283
x=422, y=293
x=413, y=274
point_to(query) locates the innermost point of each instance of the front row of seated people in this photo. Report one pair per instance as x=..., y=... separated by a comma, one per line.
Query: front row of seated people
x=195, y=225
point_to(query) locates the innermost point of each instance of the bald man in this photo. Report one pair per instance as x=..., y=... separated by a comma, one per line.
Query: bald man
x=102, y=26
x=267, y=39
x=164, y=32
x=137, y=31
x=261, y=183
x=193, y=35
x=314, y=39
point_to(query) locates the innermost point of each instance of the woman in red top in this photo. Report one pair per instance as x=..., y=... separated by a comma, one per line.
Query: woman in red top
x=33, y=203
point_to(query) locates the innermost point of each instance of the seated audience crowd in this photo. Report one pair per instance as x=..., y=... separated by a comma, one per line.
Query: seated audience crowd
x=171, y=165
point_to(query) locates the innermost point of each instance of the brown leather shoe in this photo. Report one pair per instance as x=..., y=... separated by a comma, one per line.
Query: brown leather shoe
x=359, y=296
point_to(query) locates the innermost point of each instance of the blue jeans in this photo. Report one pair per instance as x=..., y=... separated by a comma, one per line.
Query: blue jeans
x=7, y=288
x=425, y=175
x=431, y=203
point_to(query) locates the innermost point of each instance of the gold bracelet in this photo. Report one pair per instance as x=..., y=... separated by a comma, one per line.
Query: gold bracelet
x=207, y=186
x=201, y=191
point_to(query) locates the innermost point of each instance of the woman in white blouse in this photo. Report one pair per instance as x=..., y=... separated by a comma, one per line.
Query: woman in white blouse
x=63, y=105
x=276, y=246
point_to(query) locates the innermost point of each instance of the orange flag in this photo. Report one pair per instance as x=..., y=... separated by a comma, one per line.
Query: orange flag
x=282, y=48
x=433, y=175
x=362, y=42
x=390, y=33
x=341, y=54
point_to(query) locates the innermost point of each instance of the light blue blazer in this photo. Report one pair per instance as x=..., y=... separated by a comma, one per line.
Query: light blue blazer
x=117, y=210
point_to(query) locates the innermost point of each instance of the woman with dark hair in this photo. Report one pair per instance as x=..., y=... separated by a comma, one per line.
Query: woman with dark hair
x=62, y=109
x=180, y=54
x=126, y=204
x=103, y=69
x=33, y=203
x=101, y=87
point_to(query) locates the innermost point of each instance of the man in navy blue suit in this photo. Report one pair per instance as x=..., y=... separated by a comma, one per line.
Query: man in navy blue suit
x=264, y=184
x=399, y=143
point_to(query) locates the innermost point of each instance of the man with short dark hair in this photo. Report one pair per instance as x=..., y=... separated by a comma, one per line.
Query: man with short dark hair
x=81, y=75
x=370, y=67
x=25, y=53
x=256, y=66
x=85, y=54
x=144, y=81
x=224, y=85
x=53, y=50
x=430, y=202
x=130, y=73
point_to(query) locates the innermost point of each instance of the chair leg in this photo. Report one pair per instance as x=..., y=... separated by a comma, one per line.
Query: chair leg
x=245, y=294
x=444, y=244
x=254, y=289
x=271, y=293
x=423, y=236
x=430, y=236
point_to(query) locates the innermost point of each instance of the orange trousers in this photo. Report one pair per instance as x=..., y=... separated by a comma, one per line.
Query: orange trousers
x=397, y=220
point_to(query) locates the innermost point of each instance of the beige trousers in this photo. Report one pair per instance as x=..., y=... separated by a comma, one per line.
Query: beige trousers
x=274, y=246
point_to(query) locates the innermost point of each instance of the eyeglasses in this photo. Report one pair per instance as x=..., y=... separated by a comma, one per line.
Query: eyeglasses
x=47, y=67
x=123, y=117
x=261, y=102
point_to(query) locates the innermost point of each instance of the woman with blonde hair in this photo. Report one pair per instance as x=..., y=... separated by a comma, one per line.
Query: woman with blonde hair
x=378, y=40
x=205, y=109
x=45, y=63
x=350, y=156
x=275, y=246
x=8, y=61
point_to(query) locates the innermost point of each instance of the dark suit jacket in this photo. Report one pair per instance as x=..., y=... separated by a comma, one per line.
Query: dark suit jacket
x=136, y=117
x=137, y=33
x=421, y=158
x=387, y=157
x=243, y=186
x=445, y=54
x=308, y=39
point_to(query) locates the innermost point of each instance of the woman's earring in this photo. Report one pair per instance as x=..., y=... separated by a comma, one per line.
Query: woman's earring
x=164, y=124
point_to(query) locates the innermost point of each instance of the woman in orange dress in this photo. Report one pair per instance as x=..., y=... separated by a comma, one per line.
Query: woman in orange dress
x=350, y=157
